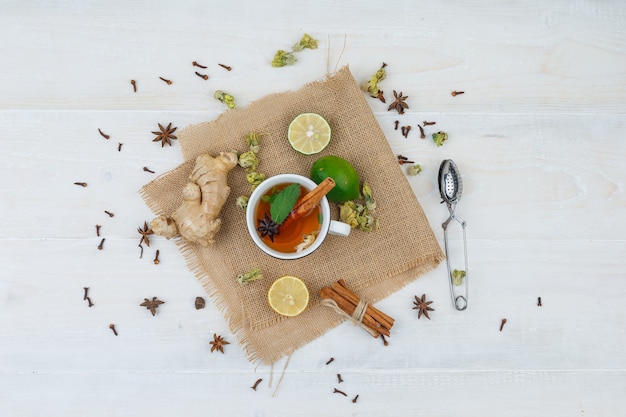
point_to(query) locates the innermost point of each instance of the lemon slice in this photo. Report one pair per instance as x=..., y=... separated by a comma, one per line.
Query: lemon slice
x=288, y=296
x=309, y=133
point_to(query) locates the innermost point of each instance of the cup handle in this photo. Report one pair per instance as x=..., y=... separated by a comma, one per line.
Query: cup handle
x=338, y=228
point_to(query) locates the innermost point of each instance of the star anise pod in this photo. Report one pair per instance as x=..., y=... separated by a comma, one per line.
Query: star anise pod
x=145, y=232
x=423, y=306
x=152, y=305
x=218, y=343
x=267, y=227
x=399, y=103
x=165, y=135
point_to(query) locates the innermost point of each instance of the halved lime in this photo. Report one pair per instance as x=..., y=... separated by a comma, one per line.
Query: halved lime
x=309, y=133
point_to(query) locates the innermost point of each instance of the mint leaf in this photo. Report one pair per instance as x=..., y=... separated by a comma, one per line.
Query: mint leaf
x=283, y=202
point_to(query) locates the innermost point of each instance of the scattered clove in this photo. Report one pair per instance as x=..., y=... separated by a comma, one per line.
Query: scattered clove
x=156, y=258
x=112, y=327
x=330, y=360
x=195, y=64
x=226, y=67
x=104, y=135
x=90, y=303
x=169, y=82
x=339, y=379
x=456, y=93
x=538, y=301
x=204, y=76
x=396, y=125
x=141, y=254
x=403, y=129
x=82, y=184
x=119, y=147
x=256, y=384
x=101, y=245
x=98, y=230
x=86, y=292
x=402, y=157
x=502, y=324
x=355, y=398
x=146, y=169
x=336, y=391
x=134, y=83
x=385, y=342
x=422, y=134
x=425, y=123
x=404, y=161
x=408, y=129
x=109, y=213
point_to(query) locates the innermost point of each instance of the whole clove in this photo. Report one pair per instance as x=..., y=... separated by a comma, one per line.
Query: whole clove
x=141, y=253
x=104, y=135
x=119, y=147
x=339, y=379
x=134, y=84
x=98, y=230
x=396, y=125
x=329, y=361
x=402, y=157
x=82, y=184
x=502, y=324
x=425, y=123
x=226, y=67
x=146, y=169
x=204, y=76
x=112, y=327
x=422, y=134
x=109, y=213
x=168, y=82
x=195, y=64
x=256, y=384
x=86, y=289
x=408, y=129
x=156, y=258
x=538, y=301
x=101, y=245
x=355, y=398
x=456, y=93
x=336, y=391
x=90, y=304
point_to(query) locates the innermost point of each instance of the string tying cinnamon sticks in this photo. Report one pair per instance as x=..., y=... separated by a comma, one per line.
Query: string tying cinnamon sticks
x=348, y=304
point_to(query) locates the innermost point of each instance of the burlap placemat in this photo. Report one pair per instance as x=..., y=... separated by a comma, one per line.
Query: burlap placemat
x=373, y=264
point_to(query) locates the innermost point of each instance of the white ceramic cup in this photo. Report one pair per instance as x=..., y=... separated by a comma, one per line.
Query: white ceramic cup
x=328, y=226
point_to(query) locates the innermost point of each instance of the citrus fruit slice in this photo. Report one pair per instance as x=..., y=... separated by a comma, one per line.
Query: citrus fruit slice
x=309, y=133
x=288, y=296
x=345, y=176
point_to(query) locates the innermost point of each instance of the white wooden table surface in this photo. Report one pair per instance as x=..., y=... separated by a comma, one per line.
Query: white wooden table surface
x=538, y=137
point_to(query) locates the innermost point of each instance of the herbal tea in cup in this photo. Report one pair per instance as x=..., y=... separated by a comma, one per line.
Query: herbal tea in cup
x=281, y=222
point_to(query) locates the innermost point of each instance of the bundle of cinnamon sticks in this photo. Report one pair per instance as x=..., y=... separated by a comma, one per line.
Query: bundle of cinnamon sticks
x=374, y=320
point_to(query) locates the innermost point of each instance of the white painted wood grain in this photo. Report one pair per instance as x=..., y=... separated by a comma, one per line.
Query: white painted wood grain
x=538, y=137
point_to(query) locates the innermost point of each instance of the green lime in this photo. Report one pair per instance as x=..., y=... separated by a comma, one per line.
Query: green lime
x=344, y=174
x=309, y=133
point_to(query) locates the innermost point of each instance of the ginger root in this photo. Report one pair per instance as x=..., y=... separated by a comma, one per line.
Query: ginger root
x=196, y=220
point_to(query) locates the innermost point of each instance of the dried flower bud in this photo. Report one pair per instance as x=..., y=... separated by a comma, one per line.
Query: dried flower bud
x=225, y=98
x=248, y=161
x=457, y=277
x=306, y=42
x=255, y=178
x=242, y=202
x=282, y=58
x=253, y=141
x=439, y=138
x=253, y=275
x=414, y=169
x=371, y=86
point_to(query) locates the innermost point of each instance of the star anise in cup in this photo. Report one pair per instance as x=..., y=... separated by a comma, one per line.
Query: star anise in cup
x=165, y=135
x=218, y=343
x=423, y=306
x=399, y=103
x=267, y=227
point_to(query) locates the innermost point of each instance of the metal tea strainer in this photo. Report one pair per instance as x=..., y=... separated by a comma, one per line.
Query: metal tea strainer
x=451, y=188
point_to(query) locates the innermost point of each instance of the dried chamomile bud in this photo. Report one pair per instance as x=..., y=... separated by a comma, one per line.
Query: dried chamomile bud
x=253, y=141
x=457, y=277
x=348, y=214
x=248, y=161
x=253, y=275
x=439, y=138
x=414, y=169
x=225, y=98
x=242, y=202
x=255, y=178
x=306, y=42
x=282, y=58
x=371, y=86
x=369, y=199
